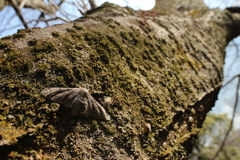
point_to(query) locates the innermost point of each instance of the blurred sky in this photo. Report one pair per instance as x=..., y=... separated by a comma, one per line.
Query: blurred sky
x=227, y=94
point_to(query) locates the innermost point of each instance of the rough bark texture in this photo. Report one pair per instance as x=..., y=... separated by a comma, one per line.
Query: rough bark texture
x=160, y=69
x=193, y=8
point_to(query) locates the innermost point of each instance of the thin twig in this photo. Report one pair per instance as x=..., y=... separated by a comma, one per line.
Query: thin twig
x=236, y=58
x=238, y=75
x=45, y=20
x=83, y=5
x=231, y=124
x=64, y=20
x=41, y=16
x=78, y=8
x=17, y=10
x=61, y=2
x=81, y=12
x=14, y=27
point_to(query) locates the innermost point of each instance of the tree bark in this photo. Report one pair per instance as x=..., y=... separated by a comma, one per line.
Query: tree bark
x=159, y=70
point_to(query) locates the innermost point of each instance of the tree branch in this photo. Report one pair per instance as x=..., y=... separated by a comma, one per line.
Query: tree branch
x=17, y=10
x=231, y=124
x=93, y=4
x=231, y=80
x=22, y=4
x=233, y=9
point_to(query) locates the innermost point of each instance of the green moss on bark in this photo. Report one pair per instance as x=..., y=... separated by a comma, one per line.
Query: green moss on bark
x=143, y=74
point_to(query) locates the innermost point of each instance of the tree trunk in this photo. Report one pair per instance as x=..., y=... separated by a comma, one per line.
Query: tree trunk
x=161, y=71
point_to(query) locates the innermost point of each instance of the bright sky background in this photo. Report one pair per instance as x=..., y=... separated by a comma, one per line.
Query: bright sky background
x=135, y=4
x=226, y=97
x=221, y=3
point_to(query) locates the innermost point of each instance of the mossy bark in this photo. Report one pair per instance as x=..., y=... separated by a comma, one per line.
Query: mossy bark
x=160, y=69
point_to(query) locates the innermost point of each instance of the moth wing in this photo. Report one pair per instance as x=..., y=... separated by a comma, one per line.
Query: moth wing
x=80, y=103
x=79, y=100
x=63, y=96
x=95, y=110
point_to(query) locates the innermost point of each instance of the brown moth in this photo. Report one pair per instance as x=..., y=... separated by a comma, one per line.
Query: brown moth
x=79, y=100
